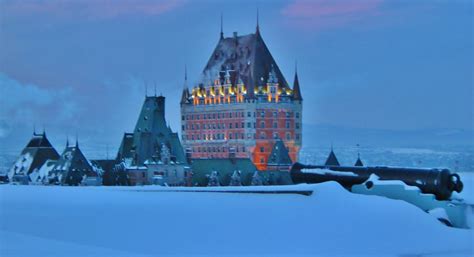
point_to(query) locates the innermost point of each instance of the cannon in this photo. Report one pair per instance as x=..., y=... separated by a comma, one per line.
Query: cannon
x=439, y=182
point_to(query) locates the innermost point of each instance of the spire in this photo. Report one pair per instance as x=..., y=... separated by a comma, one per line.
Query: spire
x=77, y=140
x=67, y=141
x=185, y=76
x=146, y=89
x=154, y=84
x=258, y=25
x=296, y=85
x=185, y=93
x=358, y=162
x=34, y=129
x=222, y=27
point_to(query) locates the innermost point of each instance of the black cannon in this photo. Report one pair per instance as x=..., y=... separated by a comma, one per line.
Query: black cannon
x=439, y=182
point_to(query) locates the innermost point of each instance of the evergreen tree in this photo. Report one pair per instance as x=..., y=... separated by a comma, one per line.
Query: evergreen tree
x=213, y=179
x=256, y=179
x=236, y=180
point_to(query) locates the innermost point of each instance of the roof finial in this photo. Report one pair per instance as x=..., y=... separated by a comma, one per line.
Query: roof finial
x=67, y=141
x=154, y=84
x=34, y=129
x=185, y=73
x=77, y=140
x=258, y=25
x=332, y=147
x=296, y=66
x=146, y=89
x=222, y=26
x=44, y=131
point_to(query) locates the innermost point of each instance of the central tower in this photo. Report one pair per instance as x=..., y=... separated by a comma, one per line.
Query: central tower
x=242, y=104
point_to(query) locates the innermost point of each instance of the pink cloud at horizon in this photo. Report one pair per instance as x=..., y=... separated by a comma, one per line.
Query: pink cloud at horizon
x=319, y=14
x=91, y=9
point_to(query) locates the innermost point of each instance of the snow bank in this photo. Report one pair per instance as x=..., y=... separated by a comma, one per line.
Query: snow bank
x=152, y=221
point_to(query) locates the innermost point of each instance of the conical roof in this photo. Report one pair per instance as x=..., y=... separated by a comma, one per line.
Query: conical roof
x=359, y=162
x=296, y=88
x=332, y=160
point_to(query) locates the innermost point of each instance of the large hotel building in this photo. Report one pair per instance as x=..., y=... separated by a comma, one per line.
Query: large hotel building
x=242, y=105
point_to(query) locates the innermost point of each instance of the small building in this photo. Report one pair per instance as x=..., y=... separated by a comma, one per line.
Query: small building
x=34, y=155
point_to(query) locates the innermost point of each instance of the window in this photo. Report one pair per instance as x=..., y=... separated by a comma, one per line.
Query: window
x=297, y=136
x=262, y=124
x=249, y=124
x=182, y=117
x=262, y=149
x=287, y=124
x=288, y=114
x=297, y=125
x=236, y=125
x=192, y=137
x=275, y=125
x=288, y=136
x=275, y=135
x=275, y=114
x=262, y=135
x=242, y=125
x=182, y=127
x=249, y=114
x=262, y=114
x=230, y=125
x=262, y=160
x=297, y=115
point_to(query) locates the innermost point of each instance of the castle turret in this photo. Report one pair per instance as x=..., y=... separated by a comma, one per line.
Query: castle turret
x=296, y=88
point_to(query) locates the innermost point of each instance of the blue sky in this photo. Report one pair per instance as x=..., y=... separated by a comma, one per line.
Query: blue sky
x=81, y=66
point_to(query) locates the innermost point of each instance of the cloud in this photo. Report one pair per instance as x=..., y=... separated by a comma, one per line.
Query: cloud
x=27, y=104
x=91, y=9
x=323, y=14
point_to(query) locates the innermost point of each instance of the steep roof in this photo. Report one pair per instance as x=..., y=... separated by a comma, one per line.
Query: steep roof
x=279, y=155
x=332, y=160
x=34, y=155
x=72, y=159
x=151, y=131
x=359, y=162
x=296, y=88
x=247, y=56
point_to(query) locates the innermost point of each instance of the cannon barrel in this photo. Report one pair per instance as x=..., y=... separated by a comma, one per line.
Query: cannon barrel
x=439, y=182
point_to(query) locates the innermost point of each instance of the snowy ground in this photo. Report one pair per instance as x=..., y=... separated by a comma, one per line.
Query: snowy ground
x=148, y=221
